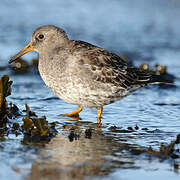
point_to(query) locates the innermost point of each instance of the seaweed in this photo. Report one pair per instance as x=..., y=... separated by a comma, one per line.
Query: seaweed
x=171, y=150
x=34, y=128
x=8, y=111
x=168, y=150
x=5, y=90
x=37, y=129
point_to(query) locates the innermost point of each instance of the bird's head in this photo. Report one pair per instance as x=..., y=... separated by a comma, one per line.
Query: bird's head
x=44, y=38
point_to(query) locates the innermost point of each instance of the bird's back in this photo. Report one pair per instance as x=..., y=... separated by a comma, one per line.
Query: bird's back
x=92, y=76
x=108, y=67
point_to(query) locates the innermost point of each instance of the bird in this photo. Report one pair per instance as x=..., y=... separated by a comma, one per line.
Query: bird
x=83, y=74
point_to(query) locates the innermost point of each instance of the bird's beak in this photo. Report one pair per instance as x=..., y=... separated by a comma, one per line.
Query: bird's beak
x=27, y=49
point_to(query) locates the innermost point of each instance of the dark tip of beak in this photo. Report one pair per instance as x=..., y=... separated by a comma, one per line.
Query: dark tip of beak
x=11, y=60
x=27, y=49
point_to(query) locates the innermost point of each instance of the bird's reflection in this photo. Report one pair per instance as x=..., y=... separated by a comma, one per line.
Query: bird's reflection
x=79, y=150
x=82, y=149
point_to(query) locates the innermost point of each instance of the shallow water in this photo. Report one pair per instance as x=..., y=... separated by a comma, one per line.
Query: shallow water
x=142, y=31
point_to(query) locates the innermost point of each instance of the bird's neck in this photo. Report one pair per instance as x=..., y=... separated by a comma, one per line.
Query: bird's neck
x=54, y=58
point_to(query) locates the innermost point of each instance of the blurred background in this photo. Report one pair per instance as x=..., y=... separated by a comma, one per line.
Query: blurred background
x=140, y=30
x=144, y=29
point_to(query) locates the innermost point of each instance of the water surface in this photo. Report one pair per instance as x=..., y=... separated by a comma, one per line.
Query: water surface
x=144, y=31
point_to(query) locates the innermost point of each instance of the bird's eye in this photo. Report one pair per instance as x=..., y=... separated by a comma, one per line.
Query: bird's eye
x=41, y=36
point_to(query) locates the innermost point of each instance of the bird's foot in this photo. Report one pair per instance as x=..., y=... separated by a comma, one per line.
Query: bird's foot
x=71, y=115
x=74, y=114
x=98, y=120
x=99, y=113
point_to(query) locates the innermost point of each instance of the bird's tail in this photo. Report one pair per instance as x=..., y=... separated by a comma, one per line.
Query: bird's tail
x=159, y=79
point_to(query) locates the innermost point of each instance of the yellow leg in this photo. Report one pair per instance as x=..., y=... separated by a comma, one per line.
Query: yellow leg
x=99, y=113
x=74, y=113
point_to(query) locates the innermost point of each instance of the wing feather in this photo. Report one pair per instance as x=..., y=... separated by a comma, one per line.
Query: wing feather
x=108, y=67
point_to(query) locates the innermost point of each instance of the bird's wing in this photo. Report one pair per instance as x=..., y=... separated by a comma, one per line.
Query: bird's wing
x=108, y=67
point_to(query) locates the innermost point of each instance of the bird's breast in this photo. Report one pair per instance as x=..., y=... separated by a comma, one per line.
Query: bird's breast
x=77, y=87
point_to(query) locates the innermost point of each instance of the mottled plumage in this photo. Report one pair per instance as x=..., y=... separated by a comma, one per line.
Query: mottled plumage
x=81, y=73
